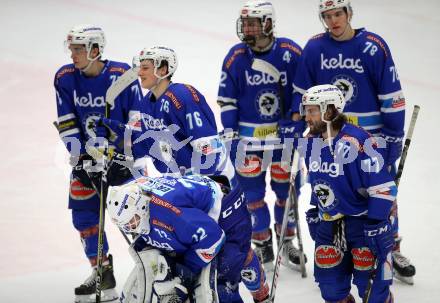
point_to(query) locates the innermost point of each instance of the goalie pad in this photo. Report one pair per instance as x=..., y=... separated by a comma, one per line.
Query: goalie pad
x=205, y=289
x=151, y=280
x=139, y=285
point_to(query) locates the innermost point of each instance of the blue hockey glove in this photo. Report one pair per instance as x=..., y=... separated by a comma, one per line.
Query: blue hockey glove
x=379, y=238
x=289, y=129
x=393, y=150
x=113, y=130
x=313, y=220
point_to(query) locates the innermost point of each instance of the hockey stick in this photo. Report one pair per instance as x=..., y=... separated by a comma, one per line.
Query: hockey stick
x=112, y=92
x=292, y=192
x=408, y=139
x=302, y=258
x=55, y=123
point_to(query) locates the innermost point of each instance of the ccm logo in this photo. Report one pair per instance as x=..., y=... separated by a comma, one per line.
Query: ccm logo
x=228, y=211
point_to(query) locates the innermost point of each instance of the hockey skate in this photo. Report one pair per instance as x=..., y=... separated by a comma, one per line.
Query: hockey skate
x=264, y=251
x=403, y=269
x=86, y=292
x=291, y=255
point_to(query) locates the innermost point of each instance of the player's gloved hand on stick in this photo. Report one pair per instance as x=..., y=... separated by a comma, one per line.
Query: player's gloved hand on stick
x=231, y=139
x=82, y=170
x=379, y=238
x=393, y=149
x=119, y=169
x=113, y=130
x=290, y=129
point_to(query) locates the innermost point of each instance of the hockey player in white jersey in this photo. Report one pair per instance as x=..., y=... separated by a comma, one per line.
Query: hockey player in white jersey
x=252, y=105
x=80, y=89
x=360, y=64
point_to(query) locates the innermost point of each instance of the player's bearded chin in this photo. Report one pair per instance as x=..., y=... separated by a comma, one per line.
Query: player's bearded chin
x=250, y=40
x=317, y=128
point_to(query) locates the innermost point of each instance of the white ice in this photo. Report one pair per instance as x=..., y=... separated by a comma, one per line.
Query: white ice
x=41, y=258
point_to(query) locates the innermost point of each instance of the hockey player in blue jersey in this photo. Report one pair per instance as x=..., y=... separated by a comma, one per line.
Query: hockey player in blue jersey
x=80, y=90
x=352, y=195
x=192, y=220
x=177, y=130
x=360, y=64
x=252, y=103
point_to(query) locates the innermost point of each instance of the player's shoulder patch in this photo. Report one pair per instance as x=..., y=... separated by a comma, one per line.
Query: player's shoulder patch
x=318, y=36
x=165, y=204
x=193, y=91
x=234, y=53
x=170, y=93
x=117, y=67
x=355, y=135
x=290, y=45
x=377, y=40
x=65, y=70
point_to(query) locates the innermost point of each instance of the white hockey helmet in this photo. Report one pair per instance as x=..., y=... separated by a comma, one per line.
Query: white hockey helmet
x=159, y=54
x=128, y=207
x=87, y=35
x=326, y=5
x=260, y=9
x=323, y=96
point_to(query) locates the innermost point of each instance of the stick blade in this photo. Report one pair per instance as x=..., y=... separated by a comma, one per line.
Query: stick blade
x=267, y=68
x=120, y=84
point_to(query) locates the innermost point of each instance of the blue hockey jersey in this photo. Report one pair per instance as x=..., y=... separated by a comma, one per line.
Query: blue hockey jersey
x=187, y=217
x=81, y=101
x=364, y=70
x=251, y=101
x=352, y=180
x=178, y=130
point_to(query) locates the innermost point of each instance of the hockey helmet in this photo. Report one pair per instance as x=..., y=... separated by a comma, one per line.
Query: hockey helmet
x=87, y=35
x=158, y=54
x=128, y=207
x=323, y=96
x=260, y=9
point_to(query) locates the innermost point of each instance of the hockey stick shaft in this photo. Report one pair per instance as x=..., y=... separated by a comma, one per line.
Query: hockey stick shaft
x=55, y=123
x=287, y=207
x=302, y=259
x=112, y=92
x=408, y=139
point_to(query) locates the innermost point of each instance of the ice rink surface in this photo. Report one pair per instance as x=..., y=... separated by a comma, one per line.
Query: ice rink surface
x=41, y=258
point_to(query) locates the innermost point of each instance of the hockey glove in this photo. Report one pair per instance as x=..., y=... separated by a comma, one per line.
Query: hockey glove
x=313, y=220
x=290, y=129
x=81, y=171
x=230, y=139
x=393, y=150
x=379, y=238
x=168, y=285
x=119, y=169
x=113, y=130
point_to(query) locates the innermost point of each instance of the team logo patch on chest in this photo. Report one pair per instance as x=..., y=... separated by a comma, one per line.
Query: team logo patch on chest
x=325, y=195
x=348, y=87
x=268, y=104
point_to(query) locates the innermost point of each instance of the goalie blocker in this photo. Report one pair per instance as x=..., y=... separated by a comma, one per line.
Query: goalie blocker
x=193, y=221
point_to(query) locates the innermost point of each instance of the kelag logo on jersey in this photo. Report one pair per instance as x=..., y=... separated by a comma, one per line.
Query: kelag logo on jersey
x=341, y=63
x=255, y=79
x=348, y=86
x=89, y=101
x=268, y=104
